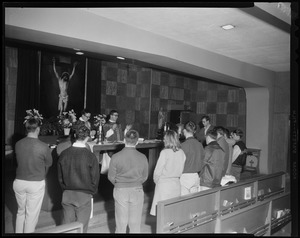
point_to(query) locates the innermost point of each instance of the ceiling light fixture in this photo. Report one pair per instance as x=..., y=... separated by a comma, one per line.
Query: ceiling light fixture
x=121, y=58
x=228, y=27
x=79, y=53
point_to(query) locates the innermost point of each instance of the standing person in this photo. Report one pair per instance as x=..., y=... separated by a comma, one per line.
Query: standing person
x=194, y=153
x=33, y=161
x=78, y=176
x=201, y=133
x=180, y=133
x=168, y=170
x=84, y=120
x=224, y=145
x=230, y=143
x=239, y=154
x=128, y=170
x=211, y=172
x=63, y=83
x=112, y=129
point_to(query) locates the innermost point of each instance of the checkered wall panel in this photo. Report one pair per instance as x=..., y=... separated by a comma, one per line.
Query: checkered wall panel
x=127, y=90
x=138, y=93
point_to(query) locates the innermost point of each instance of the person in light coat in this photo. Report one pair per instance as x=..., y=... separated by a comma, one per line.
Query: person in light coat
x=168, y=170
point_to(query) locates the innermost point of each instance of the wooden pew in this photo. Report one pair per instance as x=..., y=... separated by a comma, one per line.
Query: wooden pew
x=259, y=206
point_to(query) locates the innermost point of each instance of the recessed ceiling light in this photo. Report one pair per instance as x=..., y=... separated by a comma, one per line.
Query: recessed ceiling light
x=228, y=27
x=121, y=58
x=79, y=53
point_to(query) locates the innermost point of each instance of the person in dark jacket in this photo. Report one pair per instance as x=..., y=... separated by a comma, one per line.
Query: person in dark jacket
x=211, y=172
x=78, y=176
x=224, y=145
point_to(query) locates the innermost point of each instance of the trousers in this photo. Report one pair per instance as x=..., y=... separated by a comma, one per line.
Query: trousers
x=128, y=209
x=29, y=196
x=190, y=183
x=76, y=207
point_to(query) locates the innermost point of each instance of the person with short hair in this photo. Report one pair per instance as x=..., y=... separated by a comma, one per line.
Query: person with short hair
x=239, y=154
x=224, y=145
x=201, y=133
x=194, y=153
x=78, y=176
x=113, y=129
x=33, y=162
x=128, y=170
x=180, y=133
x=211, y=172
x=84, y=120
x=168, y=169
x=230, y=142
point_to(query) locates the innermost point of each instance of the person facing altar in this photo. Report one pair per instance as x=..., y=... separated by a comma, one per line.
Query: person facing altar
x=113, y=129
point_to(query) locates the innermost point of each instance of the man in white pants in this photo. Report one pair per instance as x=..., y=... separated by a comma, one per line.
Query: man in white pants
x=194, y=152
x=33, y=160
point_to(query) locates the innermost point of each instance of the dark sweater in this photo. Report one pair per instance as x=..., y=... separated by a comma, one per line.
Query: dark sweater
x=194, y=153
x=33, y=159
x=241, y=159
x=78, y=170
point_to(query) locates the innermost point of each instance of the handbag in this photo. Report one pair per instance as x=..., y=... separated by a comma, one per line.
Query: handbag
x=105, y=163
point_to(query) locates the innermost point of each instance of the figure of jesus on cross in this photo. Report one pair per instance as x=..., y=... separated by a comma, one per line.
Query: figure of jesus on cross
x=63, y=82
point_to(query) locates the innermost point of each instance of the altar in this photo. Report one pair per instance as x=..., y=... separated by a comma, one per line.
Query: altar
x=151, y=148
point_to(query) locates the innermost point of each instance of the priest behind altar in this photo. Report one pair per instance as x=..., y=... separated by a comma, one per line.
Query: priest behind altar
x=112, y=129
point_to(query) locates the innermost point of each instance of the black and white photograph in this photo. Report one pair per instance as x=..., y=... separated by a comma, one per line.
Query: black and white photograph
x=150, y=118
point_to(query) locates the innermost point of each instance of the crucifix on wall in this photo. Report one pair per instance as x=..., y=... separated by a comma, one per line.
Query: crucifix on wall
x=63, y=82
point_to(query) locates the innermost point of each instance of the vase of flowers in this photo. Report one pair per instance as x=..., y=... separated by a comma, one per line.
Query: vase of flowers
x=33, y=113
x=66, y=120
x=67, y=131
x=99, y=121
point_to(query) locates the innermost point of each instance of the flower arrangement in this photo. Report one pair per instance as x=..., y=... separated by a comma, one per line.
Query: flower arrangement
x=99, y=120
x=33, y=113
x=66, y=119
